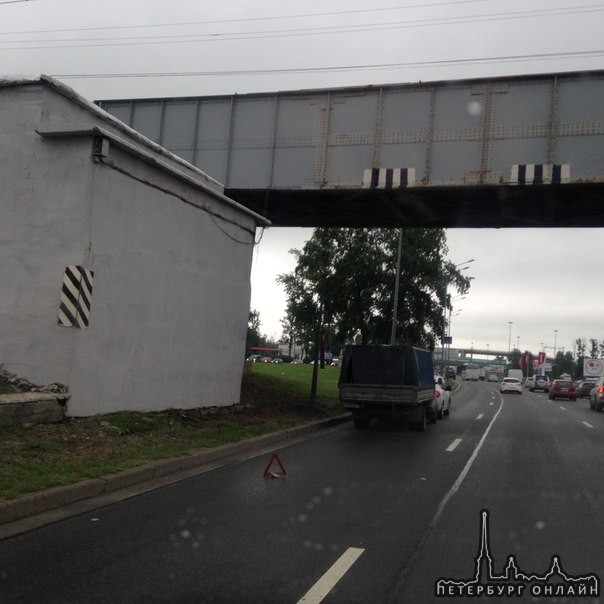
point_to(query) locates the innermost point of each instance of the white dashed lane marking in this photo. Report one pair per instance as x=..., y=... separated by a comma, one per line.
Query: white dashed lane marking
x=327, y=582
x=587, y=424
x=480, y=416
x=454, y=444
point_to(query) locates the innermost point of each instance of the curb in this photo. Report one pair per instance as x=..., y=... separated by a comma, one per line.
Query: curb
x=57, y=497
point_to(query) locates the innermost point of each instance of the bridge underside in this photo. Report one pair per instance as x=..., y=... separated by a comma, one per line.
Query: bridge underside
x=568, y=205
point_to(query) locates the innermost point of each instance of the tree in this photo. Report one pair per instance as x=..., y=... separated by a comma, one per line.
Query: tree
x=288, y=334
x=345, y=277
x=564, y=363
x=581, y=355
x=254, y=337
x=514, y=358
x=593, y=353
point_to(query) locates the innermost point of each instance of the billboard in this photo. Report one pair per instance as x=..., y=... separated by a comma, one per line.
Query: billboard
x=593, y=368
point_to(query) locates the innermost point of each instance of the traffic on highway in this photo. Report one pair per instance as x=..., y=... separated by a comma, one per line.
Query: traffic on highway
x=503, y=499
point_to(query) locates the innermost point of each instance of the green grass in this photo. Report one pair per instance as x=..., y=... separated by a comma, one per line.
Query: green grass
x=289, y=384
x=274, y=397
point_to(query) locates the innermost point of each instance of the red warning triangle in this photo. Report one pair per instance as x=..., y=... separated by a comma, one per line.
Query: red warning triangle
x=268, y=473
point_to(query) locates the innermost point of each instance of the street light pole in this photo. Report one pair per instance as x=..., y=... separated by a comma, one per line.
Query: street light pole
x=455, y=314
x=555, y=338
x=510, y=337
x=447, y=327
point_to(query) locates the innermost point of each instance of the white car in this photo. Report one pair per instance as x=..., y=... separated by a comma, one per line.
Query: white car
x=511, y=384
x=442, y=396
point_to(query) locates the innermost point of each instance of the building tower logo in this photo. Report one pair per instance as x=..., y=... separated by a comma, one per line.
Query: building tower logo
x=512, y=582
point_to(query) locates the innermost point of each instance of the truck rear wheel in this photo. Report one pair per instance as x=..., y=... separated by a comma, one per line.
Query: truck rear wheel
x=422, y=423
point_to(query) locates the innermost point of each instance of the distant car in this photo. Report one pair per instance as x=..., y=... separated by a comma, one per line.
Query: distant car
x=451, y=374
x=297, y=362
x=492, y=377
x=277, y=360
x=335, y=362
x=511, y=384
x=539, y=382
x=254, y=358
x=443, y=397
x=266, y=360
x=562, y=389
x=596, y=396
x=529, y=382
x=584, y=388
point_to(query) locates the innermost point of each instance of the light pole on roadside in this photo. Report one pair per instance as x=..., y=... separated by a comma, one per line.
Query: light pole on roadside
x=462, y=266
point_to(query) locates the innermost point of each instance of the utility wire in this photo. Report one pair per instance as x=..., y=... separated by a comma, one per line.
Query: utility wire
x=327, y=30
x=350, y=28
x=247, y=19
x=378, y=66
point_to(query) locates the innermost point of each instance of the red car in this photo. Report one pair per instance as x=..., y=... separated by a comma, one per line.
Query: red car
x=563, y=389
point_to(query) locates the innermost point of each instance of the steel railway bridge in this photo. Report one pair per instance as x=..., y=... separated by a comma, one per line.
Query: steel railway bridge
x=525, y=151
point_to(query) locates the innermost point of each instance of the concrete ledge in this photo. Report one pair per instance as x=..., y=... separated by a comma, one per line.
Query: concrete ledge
x=51, y=499
x=31, y=408
x=36, y=503
x=127, y=478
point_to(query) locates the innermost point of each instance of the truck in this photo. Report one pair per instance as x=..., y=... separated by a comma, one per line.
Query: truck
x=391, y=383
x=471, y=372
x=516, y=373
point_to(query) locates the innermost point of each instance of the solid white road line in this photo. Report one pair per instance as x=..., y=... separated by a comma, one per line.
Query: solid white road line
x=454, y=444
x=464, y=472
x=587, y=424
x=480, y=416
x=454, y=488
x=326, y=583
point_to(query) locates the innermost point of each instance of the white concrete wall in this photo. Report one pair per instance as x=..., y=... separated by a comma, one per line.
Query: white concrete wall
x=171, y=281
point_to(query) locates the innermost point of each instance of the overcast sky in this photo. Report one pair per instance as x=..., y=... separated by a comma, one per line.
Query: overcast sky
x=540, y=280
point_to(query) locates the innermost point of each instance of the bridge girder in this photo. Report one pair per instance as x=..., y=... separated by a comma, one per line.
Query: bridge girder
x=574, y=205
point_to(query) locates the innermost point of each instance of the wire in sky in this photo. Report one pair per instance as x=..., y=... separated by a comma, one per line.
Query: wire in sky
x=326, y=30
x=341, y=68
x=247, y=19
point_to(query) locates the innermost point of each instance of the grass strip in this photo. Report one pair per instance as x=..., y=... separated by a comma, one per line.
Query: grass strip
x=274, y=397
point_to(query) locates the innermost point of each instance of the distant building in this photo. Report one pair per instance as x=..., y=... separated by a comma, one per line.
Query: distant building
x=125, y=270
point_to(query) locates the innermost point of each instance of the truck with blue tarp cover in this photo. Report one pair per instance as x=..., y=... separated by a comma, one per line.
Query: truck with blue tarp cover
x=388, y=382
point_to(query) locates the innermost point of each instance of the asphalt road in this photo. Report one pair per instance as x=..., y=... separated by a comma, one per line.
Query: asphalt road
x=361, y=517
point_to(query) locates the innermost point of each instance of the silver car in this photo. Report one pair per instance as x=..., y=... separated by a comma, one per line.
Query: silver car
x=596, y=396
x=539, y=382
x=511, y=384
